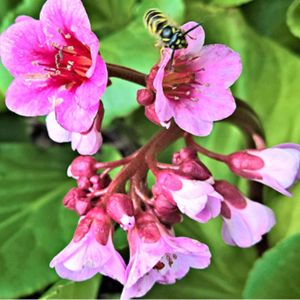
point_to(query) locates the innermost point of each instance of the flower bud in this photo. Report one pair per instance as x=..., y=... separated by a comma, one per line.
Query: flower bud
x=145, y=97
x=166, y=211
x=195, y=170
x=119, y=207
x=76, y=200
x=146, y=225
x=82, y=166
x=185, y=154
x=151, y=114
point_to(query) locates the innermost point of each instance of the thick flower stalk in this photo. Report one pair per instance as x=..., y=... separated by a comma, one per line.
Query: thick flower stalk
x=57, y=69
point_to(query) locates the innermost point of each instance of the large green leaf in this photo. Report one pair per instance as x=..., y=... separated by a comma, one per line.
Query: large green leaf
x=223, y=279
x=293, y=18
x=276, y=275
x=34, y=224
x=65, y=289
x=269, y=18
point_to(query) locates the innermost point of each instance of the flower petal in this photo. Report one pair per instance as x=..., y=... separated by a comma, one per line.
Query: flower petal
x=55, y=131
x=222, y=66
x=23, y=45
x=62, y=16
x=188, y=119
x=195, y=38
x=246, y=226
x=71, y=116
x=30, y=98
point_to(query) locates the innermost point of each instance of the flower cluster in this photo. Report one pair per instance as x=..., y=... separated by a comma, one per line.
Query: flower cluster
x=185, y=187
x=60, y=74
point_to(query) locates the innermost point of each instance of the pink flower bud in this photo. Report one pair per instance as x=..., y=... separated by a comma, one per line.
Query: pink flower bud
x=195, y=170
x=185, y=154
x=276, y=167
x=76, y=200
x=99, y=218
x=83, y=183
x=82, y=166
x=166, y=211
x=230, y=194
x=146, y=226
x=151, y=114
x=119, y=207
x=145, y=97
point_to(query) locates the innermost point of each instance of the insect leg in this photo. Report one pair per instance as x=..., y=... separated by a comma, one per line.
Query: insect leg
x=171, y=60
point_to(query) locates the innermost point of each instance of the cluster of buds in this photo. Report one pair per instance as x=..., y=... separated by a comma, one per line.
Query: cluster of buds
x=186, y=187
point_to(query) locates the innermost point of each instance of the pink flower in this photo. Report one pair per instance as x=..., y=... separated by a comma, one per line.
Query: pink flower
x=277, y=167
x=195, y=90
x=91, y=251
x=157, y=256
x=244, y=221
x=195, y=198
x=86, y=143
x=56, y=65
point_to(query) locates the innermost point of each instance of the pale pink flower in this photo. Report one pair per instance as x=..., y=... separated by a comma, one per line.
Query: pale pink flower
x=244, y=221
x=195, y=89
x=56, y=65
x=91, y=251
x=157, y=256
x=86, y=143
x=277, y=167
x=195, y=198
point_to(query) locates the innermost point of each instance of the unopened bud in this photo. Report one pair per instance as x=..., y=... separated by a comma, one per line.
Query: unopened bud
x=147, y=228
x=185, y=154
x=230, y=193
x=166, y=211
x=82, y=166
x=119, y=207
x=145, y=97
x=195, y=170
x=151, y=114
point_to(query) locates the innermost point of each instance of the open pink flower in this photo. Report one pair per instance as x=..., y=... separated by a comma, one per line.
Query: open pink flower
x=86, y=143
x=56, y=65
x=91, y=251
x=195, y=90
x=157, y=256
x=277, y=167
x=244, y=221
x=195, y=198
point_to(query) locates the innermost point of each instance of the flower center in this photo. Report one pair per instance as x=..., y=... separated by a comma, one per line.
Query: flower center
x=180, y=81
x=70, y=62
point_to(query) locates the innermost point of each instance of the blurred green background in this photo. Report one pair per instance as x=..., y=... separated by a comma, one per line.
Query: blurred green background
x=33, y=224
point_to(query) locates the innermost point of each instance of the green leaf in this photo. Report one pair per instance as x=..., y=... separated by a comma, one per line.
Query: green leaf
x=107, y=16
x=65, y=289
x=220, y=279
x=276, y=274
x=293, y=18
x=132, y=46
x=269, y=19
x=228, y=3
x=18, y=129
x=34, y=225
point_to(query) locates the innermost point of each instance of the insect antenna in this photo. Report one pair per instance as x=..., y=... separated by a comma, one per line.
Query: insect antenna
x=191, y=29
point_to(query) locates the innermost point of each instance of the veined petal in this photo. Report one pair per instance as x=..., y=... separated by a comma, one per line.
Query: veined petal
x=62, y=15
x=70, y=114
x=29, y=97
x=222, y=66
x=23, y=45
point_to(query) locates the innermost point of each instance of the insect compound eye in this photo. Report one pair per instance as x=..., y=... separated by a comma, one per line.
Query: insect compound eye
x=166, y=32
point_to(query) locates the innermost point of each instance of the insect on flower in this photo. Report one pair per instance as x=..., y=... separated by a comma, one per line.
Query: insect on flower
x=170, y=35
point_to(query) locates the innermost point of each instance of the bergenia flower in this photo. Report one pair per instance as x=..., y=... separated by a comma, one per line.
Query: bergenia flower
x=244, y=221
x=195, y=89
x=56, y=66
x=86, y=143
x=277, y=167
x=195, y=198
x=157, y=256
x=91, y=251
